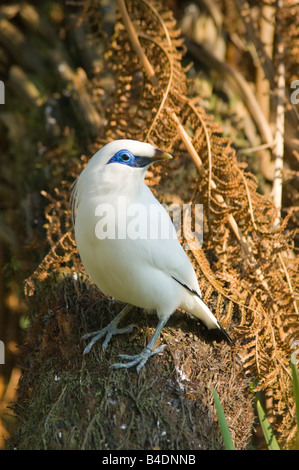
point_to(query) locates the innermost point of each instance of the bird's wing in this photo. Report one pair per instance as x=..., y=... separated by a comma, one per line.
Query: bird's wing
x=166, y=254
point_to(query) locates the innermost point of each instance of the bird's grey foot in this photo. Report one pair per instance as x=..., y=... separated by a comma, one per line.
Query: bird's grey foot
x=138, y=360
x=109, y=330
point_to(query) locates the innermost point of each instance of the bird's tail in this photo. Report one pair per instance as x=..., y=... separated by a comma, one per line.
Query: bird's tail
x=202, y=311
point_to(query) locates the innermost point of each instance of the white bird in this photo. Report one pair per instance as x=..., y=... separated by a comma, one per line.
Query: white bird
x=123, y=247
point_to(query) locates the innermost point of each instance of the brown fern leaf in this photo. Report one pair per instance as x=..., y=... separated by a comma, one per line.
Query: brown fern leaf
x=141, y=110
x=60, y=237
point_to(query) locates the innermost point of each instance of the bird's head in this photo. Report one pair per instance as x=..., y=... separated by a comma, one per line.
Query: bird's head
x=129, y=154
x=124, y=157
x=119, y=164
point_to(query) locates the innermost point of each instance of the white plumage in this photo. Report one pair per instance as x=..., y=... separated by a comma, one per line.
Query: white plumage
x=144, y=269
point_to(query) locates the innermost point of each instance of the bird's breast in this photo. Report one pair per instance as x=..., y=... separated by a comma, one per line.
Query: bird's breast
x=120, y=247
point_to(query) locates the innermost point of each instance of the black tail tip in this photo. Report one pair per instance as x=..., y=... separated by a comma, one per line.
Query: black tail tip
x=220, y=333
x=226, y=335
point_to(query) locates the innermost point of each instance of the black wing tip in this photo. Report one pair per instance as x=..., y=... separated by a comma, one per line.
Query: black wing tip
x=222, y=330
x=187, y=287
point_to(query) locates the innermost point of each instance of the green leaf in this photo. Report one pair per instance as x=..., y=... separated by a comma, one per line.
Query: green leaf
x=296, y=392
x=267, y=430
x=226, y=436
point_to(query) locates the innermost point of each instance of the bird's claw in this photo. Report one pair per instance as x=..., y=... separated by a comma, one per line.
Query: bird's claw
x=139, y=359
x=108, y=331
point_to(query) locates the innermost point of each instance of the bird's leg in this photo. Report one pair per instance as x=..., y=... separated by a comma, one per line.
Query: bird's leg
x=109, y=330
x=140, y=359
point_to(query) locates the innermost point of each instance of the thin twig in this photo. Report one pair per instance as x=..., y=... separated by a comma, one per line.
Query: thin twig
x=136, y=44
x=209, y=150
x=248, y=198
x=279, y=132
x=257, y=148
x=266, y=24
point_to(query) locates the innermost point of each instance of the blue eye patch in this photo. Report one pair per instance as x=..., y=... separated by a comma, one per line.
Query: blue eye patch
x=125, y=157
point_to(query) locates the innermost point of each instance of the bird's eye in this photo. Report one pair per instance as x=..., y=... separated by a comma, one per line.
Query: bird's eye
x=125, y=157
